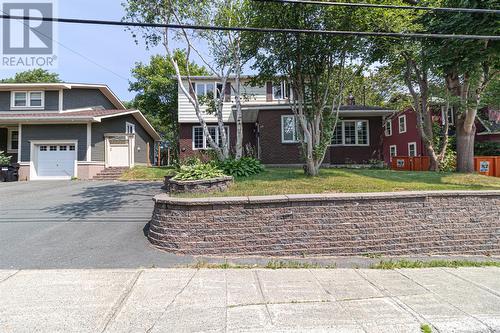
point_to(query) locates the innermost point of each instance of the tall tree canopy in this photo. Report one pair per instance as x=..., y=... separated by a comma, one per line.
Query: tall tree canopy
x=33, y=76
x=467, y=66
x=156, y=86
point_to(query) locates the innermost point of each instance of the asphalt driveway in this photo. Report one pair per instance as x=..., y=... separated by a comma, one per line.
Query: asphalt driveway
x=77, y=224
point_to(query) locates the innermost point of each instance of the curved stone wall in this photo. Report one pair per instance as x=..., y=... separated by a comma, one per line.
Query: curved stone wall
x=330, y=224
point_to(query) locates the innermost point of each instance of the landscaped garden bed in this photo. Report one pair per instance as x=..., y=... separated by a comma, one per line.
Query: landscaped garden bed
x=282, y=181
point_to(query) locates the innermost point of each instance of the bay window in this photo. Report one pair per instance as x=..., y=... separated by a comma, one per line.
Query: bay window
x=351, y=133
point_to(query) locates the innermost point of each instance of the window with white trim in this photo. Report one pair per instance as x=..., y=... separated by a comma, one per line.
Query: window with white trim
x=388, y=127
x=412, y=149
x=451, y=117
x=129, y=128
x=351, y=133
x=289, y=129
x=13, y=141
x=27, y=99
x=63, y=148
x=402, y=124
x=281, y=90
x=209, y=89
x=393, y=151
x=337, y=135
x=201, y=142
x=53, y=148
x=43, y=148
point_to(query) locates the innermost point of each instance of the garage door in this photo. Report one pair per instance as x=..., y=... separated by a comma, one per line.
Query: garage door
x=56, y=161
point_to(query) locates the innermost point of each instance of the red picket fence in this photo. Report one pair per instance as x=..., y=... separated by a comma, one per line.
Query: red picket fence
x=408, y=163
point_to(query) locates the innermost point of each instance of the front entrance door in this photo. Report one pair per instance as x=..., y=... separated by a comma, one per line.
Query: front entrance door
x=119, y=153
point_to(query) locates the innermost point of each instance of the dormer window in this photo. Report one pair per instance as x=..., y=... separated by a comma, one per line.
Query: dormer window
x=27, y=100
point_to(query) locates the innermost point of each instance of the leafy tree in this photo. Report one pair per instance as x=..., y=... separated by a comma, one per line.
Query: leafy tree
x=33, y=76
x=468, y=66
x=313, y=66
x=156, y=87
x=225, y=48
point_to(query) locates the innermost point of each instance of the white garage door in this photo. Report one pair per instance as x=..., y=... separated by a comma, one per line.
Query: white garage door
x=56, y=161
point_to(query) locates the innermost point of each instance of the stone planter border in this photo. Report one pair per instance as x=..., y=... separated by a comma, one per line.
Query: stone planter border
x=401, y=223
x=220, y=184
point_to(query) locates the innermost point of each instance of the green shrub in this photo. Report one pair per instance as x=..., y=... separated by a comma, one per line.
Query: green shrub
x=487, y=149
x=198, y=172
x=449, y=163
x=4, y=159
x=246, y=166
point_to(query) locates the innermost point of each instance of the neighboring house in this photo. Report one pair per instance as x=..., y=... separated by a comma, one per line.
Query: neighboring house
x=402, y=136
x=270, y=128
x=63, y=130
x=488, y=125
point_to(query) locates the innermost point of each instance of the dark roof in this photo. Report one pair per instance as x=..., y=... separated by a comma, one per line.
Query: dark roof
x=62, y=115
x=360, y=108
x=492, y=125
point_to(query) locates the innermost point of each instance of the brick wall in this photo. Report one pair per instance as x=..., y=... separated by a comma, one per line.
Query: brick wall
x=333, y=225
x=186, y=139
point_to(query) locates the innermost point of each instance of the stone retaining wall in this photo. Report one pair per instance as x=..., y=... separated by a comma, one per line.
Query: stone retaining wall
x=330, y=225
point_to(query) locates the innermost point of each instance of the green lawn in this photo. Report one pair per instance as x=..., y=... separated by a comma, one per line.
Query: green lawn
x=293, y=181
x=147, y=173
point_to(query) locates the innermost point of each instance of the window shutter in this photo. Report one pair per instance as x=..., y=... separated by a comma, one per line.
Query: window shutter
x=192, y=90
x=227, y=92
x=269, y=91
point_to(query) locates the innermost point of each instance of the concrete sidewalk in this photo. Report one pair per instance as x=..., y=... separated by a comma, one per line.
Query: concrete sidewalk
x=258, y=300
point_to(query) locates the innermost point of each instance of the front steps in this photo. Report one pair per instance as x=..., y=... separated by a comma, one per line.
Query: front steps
x=110, y=173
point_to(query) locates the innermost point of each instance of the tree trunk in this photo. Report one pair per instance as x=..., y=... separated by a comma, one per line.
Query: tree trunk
x=311, y=168
x=465, y=148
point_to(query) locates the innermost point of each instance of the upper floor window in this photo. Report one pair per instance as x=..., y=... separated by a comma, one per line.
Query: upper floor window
x=388, y=127
x=351, y=133
x=402, y=124
x=209, y=89
x=281, y=90
x=451, y=117
x=129, y=128
x=27, y=99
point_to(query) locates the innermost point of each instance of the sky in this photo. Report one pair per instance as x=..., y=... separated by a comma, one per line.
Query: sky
x=96, y=54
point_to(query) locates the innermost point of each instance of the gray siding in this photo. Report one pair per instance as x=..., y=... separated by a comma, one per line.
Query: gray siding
x=51, y=101
x=81, y=98
x=54, y=132
x=117, y=125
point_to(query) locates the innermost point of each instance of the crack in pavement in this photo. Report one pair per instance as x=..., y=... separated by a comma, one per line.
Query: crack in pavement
x=480, y=286
x=115, y=310
x=8, y=277
x=172, y=302
x=446, y=302
x=257, y=278
x=403, y=306
x=336, y=301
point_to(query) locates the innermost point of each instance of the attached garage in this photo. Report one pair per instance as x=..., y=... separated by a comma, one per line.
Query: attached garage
x=53, y=160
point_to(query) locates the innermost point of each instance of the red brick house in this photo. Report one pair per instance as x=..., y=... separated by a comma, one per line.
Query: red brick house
x=402, y=136
x=270, y=127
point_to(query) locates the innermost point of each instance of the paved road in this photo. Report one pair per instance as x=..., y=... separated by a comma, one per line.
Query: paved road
x=188, y=300
x=78, y=224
